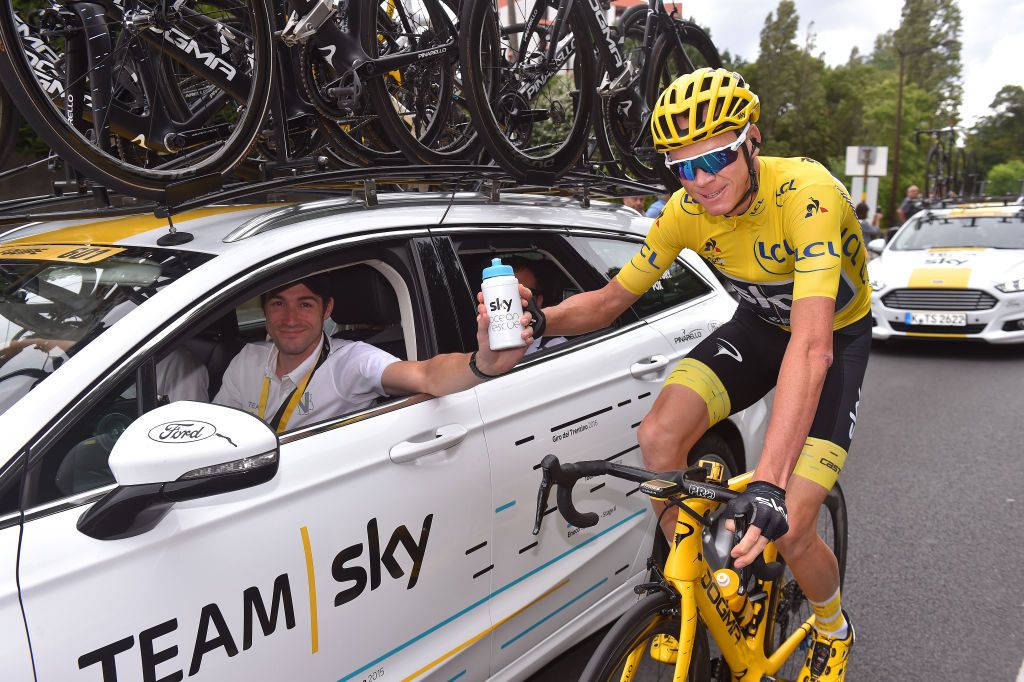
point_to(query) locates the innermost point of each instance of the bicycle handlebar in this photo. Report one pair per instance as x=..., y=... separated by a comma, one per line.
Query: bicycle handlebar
x=565, y=477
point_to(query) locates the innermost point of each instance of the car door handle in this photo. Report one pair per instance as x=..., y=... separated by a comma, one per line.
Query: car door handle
x=652, y=364
x=444, y=437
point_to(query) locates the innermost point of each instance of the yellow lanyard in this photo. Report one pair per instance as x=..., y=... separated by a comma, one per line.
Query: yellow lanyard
x=280, y=420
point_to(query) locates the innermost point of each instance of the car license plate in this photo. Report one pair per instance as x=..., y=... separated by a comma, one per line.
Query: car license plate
x=936, y=319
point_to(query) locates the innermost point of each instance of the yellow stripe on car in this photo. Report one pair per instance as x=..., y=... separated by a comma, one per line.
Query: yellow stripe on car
x=111, y=230
x=939, y=278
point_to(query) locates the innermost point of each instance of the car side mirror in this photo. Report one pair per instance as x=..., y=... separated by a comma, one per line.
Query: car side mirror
x=182, y=451
x=876, y=245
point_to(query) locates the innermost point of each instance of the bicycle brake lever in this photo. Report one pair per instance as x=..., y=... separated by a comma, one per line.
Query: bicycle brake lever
x=543, y=491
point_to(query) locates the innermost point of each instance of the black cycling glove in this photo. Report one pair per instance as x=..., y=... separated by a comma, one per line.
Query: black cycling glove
x=539, y=321
x=764, y=505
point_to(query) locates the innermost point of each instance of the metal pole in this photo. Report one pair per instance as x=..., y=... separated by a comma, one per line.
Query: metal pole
x=896, y=154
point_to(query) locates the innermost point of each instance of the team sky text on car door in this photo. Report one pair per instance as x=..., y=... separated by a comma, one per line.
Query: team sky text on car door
x=354, y=568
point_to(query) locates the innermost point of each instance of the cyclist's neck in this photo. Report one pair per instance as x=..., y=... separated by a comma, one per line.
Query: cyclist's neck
x=751, y=192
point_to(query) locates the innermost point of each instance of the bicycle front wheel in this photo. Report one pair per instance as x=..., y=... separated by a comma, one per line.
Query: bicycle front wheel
x=532, y=113
x=137, y=97
x=626, y=653
x=790, y=605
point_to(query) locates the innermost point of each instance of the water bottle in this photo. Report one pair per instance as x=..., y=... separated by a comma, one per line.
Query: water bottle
x=504, y=305
x=729, y=584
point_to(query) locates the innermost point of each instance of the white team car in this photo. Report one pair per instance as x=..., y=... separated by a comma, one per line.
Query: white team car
x=953, y=272
x=144, y=538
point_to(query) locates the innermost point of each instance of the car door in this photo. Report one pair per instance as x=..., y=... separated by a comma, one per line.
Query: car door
x=582, y=399
x=360, y=560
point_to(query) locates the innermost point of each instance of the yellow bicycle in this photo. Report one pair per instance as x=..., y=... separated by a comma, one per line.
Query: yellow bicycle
x=758, y=617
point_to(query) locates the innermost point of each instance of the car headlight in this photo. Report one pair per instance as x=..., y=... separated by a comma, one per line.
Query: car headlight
x=1011, y=286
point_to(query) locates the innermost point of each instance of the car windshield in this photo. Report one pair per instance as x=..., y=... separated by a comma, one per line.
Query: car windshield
x=991, y=232
x=56, y=299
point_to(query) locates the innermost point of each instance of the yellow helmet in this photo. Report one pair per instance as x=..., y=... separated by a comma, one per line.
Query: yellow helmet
x=729, y=103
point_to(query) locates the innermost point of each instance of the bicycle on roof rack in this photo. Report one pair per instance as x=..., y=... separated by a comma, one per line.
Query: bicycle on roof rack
x=530, y=70
x=142, y=95
x=949, y=171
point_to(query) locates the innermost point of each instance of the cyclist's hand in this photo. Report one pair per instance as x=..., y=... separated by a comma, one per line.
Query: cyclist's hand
x=764, y=505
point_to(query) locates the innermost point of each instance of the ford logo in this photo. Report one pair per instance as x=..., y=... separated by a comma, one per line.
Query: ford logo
x=182, y=431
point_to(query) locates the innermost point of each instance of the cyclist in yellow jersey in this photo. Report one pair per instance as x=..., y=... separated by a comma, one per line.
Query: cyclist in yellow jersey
x=784, y=234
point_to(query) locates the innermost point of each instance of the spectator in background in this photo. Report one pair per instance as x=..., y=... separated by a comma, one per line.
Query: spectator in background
x=655, y=209
x=636, y=203
x=911, y=204
x=867, y=227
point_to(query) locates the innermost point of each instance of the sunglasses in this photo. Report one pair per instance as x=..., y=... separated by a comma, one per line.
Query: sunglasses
x=712, y=162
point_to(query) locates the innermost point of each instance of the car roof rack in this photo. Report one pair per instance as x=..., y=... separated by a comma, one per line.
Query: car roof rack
x=361, y=183
x=991, y=200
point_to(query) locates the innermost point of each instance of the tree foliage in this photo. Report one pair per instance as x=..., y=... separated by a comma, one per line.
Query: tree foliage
x=1005, y=178
x=999, y=137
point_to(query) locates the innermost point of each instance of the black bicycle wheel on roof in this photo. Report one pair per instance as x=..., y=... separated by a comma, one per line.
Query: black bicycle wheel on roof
x=8, y=126
x=532, y=114
x=142, y=96
x=934, y=176
x=789, y=605
x=637, y=642
x=674, y=54
x=421, y=105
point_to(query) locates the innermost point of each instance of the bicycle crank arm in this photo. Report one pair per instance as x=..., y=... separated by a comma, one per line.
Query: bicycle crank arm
x=177, y=142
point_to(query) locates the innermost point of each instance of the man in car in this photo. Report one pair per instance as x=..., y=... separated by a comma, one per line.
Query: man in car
x=303, y=376
x=911, y=204
x=783, y=231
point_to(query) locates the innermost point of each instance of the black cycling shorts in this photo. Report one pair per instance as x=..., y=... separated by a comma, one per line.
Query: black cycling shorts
x=739, y=363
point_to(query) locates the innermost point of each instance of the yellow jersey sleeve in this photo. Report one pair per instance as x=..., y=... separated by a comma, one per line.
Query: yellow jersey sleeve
x=661, y=246
x=813, y=221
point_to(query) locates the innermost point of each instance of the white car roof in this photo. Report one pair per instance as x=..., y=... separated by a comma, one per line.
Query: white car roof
x=219, y=229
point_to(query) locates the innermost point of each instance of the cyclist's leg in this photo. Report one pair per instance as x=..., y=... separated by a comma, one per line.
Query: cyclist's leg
x=808, y=556
x=725, y=373
x=820, y=462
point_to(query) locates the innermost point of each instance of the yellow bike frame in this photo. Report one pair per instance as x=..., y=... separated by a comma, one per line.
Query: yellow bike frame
x=689, y=574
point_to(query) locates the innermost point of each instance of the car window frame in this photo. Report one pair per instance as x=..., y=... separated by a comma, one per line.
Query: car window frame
x=581, y=270
x=714, y=287
x=232, y=292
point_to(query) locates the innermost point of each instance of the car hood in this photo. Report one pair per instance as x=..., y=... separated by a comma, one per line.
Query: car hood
x=947, y=268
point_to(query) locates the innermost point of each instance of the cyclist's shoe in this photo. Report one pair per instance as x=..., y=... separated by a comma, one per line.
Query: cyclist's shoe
x=827, y=657
x=664, y=649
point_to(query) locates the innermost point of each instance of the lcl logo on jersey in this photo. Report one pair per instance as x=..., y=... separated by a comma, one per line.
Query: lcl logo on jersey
x=773, y=257
x=758, y=208
x=788, y=186
x=690, y=205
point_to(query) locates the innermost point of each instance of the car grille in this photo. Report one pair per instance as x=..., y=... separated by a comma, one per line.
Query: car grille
x=936, y=329
x=938, y=299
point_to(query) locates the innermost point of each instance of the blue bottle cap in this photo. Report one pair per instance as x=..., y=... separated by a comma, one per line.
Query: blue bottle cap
x=497, y=269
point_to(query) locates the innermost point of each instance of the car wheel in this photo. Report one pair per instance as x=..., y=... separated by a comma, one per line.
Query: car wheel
x=714, y=447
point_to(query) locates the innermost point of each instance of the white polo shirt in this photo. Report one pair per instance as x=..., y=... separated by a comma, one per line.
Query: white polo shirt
x=349, y=380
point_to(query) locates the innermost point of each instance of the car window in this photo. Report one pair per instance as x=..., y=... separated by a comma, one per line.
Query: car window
x=54, y=300
x=677, y=285
x=934, y=232
x=77, y=461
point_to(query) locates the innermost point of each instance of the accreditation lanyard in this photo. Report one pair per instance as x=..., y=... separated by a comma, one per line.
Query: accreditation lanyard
x=284, y=413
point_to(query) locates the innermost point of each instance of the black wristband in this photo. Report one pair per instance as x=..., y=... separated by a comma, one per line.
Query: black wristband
x=476, y=370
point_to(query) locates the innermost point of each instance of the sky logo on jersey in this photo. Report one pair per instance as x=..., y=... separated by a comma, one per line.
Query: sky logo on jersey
x=814, y=208
x=788, y=186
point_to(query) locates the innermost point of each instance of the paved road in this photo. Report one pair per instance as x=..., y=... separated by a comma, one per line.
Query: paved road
x=935, y=488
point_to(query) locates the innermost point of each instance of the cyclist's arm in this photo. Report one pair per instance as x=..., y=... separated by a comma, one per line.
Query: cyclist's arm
x=814, y=220
x=804, y=365
x=597, y=309
x=589, y=310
